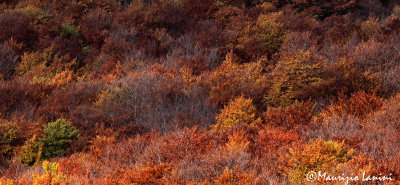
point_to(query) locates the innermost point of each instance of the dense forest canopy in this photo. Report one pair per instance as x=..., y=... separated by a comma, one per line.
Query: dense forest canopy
x=198, y=91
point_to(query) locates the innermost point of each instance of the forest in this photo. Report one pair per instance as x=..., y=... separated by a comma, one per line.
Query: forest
x=208, y=92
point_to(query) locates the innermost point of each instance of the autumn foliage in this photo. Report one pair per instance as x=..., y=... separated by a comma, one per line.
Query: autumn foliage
x=198, y=91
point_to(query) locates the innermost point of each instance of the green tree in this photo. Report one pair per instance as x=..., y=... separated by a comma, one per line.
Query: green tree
x=56, y=139
x=58, y=136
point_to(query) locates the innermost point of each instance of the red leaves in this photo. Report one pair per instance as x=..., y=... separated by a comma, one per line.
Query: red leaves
x=152, y=174
x=360, y=104
x=299, y=114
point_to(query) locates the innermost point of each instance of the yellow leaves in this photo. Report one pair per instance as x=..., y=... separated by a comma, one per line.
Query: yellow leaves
x=292, y=76
x=270, y=32
x=315, y=156
x=51, y=176
x=239, y=110
x=104, y=97
x=31, y=62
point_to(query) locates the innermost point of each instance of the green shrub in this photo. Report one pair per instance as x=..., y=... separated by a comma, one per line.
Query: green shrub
x=57, y=137
x=69, y=30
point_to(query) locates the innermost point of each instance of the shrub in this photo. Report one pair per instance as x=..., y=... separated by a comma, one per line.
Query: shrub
x=8, y=135
x=95, y=26
x=35, y=63
x=37, y=12
x=17, y=26
x=270, y=31
x=231, y=80
x=62, y=78
x=298, y=114
x=264, y=37
x=343, y=77
x=369, y=28
x=237, y=3
x=234, y=177
x=291, y=77
x=360, y=105
x=325, y=8
x=239, y=110
x=339, y=30
x=57, y=138
x=8, y=61
x=380, y=57
x=69, y=30
x=396, y=11
x=51, y=176
x=345, y=128
x=271, y=141
x=152, y=174
x=4, y=181
x=237, y=142
x=315, y=156
x=31, y=151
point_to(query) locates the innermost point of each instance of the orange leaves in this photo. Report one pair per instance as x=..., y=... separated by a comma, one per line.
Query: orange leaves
x=236, y=142
x=98, y=145
x=234, y=177
x=4, y=181
x=63, y=77
x=272, y=139
x=151, y=174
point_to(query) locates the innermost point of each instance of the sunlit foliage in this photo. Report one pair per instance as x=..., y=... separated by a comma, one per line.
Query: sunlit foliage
x=198, y=91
